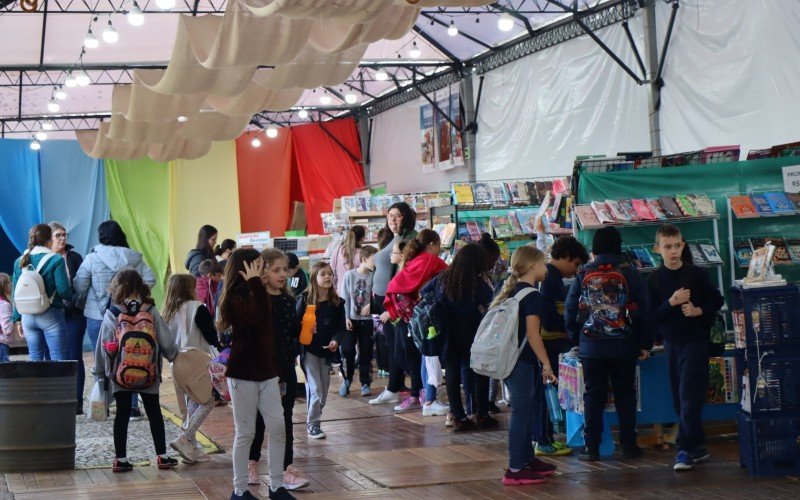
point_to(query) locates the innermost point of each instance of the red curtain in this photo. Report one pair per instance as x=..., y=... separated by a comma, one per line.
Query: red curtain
x=326, y=169
x=265, y=175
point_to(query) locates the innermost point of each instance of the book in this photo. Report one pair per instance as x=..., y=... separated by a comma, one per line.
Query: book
x=462, y=233
x=602, y=212
x=656, y=209
x=671, y=208
x=350, y=204
x=499, y=195
x=743, y=252
x=795, y=199
x=481, y=193
x=514, y=221
x=520, y=194
x=759, y=264
x=527, y=220
x=559, y=186
x=757, y=243
x=793, y=247
x=542, y=188
x=587, y=217
x=502, y=227
x=702, y=204
x=655, y=256
x=710, y=253
x=569, y=218
x=743, y=207
x=633, y=259
x=533, y=194
x=781, y=255
x=483, y=225
x=462, y=194
x=761, y=204
x=686, y=206
x=779, y=202
x=619, y=213
x=474, y=231
x=642, y=209
x=627, y=205
x=697, y=254
x=554, y=211
x=644, y=257
x=447, y=234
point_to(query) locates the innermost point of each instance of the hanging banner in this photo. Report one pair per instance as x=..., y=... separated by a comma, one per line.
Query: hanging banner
x=443, y=133
x=457, y=146
x=428, y=148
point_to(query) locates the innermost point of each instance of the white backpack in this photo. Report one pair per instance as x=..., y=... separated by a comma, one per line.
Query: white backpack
x=30, y=294
x=496, y=347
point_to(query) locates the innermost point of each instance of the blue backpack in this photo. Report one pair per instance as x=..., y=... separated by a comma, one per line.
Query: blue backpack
x=428, y=326
x=603, y=308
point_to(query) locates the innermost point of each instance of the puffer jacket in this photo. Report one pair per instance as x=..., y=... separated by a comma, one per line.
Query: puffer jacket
x=98, y=269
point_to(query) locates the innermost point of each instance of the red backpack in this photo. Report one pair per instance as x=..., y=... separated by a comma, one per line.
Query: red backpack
x=136, y=365
x=604, y=309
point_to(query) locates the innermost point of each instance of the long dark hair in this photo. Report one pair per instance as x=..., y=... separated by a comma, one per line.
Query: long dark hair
x=39, y=236
x=110, y=233
x=465, y=274
x=205, y=234
x=231, y=282
x=409, y=217
x=418, y=245
x=491, y=248
x=227, y=244
x=126, y=283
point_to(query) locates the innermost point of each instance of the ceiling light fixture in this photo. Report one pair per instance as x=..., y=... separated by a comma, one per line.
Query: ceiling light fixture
x=35, y=145
x=165, y=4
x=302, y=114
x=256, y=142
x=48, y=125
x=82, y=78
x=59, y=93
x=414, y=52
x=272, y=132
x=110, y=35
x=452, y=30
x=350, y=98
x=182, y=119
x=70, y=82
x=381, y=75
x=53, y=106
x=506, y=22
x=325, y=99
x=41, y=135
x=135, y=16
x=91, y=41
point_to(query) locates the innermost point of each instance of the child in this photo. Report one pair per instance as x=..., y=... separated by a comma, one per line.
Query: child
x=207, y=283
x=6, y=325
x=566, y=257
x=347, y=256
x=612, y=332
x=357, y=288
x=130, y=296
x=194, y=331
x=286, y=329
x=318, y=355
x=527, y=269
x=252, y=371
x=684, y=302
x=298, y=277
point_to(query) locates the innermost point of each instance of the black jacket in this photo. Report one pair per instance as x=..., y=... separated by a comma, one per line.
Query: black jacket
x=74, y=261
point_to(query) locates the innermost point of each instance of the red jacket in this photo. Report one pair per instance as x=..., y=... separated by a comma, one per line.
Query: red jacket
x=206, y=290
x=403, y=291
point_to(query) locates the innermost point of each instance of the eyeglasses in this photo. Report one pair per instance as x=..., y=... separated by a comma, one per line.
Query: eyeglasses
x=60, y=236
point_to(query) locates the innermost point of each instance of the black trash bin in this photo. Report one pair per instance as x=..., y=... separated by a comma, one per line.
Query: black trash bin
x=37, y=415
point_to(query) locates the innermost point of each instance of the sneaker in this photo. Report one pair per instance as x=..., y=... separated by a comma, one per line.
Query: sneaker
x=120, y=466
x=292, y=480
x=366, y=391
x=488, y=422
x=633, y=451
x=435, y=409
x=244, y=496
x=450, y=421
x=316, y=433
x=463, y=425
x=136, y=414
x=589, y=454
x=166, y=463
x=683, y=461
x=700, y=454
x=344, y=390
x=494, y=409
x=525, y=476
x=385, y=397
x=252, y=472
x=552, y=450
x=409, y=404
x=199, y=456
x=542, y=467
x=184, y=448
x=280, y=494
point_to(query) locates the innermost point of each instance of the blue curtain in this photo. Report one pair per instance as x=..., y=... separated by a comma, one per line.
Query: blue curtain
x=20, y=190
x=73, y=191
x=8, y=254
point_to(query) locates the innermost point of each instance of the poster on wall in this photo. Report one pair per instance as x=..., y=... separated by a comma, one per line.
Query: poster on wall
x=456, y=144
x=443, y=128
x=427, y=134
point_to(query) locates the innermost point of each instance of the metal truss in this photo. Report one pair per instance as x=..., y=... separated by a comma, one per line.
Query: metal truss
x=32, y=124
x=402, y=95
x=103, y=7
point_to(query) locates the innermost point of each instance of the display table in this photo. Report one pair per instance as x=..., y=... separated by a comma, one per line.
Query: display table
x=656, y=406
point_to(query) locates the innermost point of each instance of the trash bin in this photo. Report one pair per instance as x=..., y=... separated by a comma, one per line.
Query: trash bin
x=37, y=412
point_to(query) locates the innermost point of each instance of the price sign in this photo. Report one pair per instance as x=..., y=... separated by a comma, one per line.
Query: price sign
x=791, y=179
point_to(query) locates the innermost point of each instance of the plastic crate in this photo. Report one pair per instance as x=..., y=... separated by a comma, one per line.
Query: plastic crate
x=769, y=446
x=771, y=315
x=774, y=381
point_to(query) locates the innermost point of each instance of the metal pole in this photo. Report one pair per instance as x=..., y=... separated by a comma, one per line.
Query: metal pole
x=468, y=100
x=365, y=139
x=651, y=49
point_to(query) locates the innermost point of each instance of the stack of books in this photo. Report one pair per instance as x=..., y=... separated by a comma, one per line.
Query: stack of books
x=507, y=193
x=663, y=208
x=787, y=251
x=766, y=204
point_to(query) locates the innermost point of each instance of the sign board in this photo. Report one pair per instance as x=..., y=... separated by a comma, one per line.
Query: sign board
x=259, y=240
x=791, y=179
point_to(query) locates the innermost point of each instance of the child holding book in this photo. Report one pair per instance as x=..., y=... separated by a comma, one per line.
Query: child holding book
x=357, y=287
x=683, y=304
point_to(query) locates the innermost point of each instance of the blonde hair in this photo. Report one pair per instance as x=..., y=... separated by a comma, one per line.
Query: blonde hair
x=180, y=289
x=522, y=260
x=5, y=287
x=313, y=288
x=270, y=255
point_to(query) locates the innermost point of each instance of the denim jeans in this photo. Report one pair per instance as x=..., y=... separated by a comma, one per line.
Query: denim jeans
x=46, y=332
x=520, y=384
x=542, y=426
x=76, y=328
x=430, y=390
x=3, y=353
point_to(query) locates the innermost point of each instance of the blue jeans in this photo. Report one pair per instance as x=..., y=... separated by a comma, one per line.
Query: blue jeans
x=93, y=331
x=46, y=332
x=3, y=353
x=76, y=328
x=520, y=384
x=467, y=382
x=430, y=390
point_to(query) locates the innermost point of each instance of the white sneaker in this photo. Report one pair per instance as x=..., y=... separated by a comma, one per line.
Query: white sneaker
x=252, y=472
x=435, y=409
x=385, y=397
x=184, y=447
x=292, y=480
x=199, y=456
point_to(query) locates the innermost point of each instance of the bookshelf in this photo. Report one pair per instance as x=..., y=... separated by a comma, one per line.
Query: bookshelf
x=460, y=215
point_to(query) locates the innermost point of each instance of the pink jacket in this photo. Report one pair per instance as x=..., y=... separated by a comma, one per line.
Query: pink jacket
x=340, y=266
x=6, y=325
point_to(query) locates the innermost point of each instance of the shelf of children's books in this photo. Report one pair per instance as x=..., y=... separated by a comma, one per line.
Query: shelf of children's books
x=767, y=216
x=657, y=222
x=466, y=209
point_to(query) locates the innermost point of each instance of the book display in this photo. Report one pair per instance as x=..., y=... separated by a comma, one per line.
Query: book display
x=645, y=258
x=673, y=209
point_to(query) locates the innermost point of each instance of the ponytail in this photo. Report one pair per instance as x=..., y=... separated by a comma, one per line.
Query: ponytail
x=39, y=236
x=424, y=239
x=522, y=260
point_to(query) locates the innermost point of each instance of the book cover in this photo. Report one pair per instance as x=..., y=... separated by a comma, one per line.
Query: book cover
x=514, y=221
x=642, y=209
x=619, y=213
x=633, y=259
x=502, y=227
x=779, y=202
x=462, y=194
x=702, y=204
x=587, y=217
x=759, y=264
x=671, y=208
x=685, y=205
x=448, y=234
x=556, y=209
x=602, y=212
x=655, y=256
x=757, y=243
x=644, y=257
x=541, y=190
x=481, y=193
x=795, y=199
x=569, y=218
x=761, y=204
x=499, y=195
x=523, y=198
x=697, y=254
x=743, y=252
x=656, y=209
x=710, y=253
x=462, y=233
x=627, y=205
x=743, y=207
x=533, y=194
x=527, y=220
x=781, y=255
x=483, y=225
x=559, y=186
x=474, y=230
x=793, y=247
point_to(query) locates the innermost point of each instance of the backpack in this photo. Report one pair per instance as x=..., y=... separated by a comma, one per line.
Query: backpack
x=217, y=369
x=430, y=313
x=603, y=305
x=136, y=365
x=496, y=348
x=30, y=294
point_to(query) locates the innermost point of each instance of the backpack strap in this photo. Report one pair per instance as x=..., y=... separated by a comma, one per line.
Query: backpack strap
x=524, y=293
x=44, y=260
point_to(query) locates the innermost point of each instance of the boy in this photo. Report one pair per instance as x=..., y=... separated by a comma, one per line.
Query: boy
x=683, y=304
x=567, y=256
x=207, y=283
x=604, y=316
x=298, y=278
x=357, y=287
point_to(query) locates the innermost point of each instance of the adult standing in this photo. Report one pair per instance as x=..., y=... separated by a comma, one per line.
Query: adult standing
x=46, y=332
x=73, y=309
x=401, y=221
x=206, y=239
x=223, y=251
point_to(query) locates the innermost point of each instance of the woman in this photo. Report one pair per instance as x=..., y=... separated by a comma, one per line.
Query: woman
x=73, y=309
x=400, y=220
x=206, y=239
x=223, y=251
x=347, y=256
x=45, y=332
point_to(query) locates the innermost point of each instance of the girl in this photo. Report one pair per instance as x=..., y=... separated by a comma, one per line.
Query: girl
x=45, y=333
x=527, y=269
x=421, y=264
x=252, y=372
x=223, y=251
x=6, y=325
x=317, y=356
x=131, y=296
x=347, y=256
x=203, y=250
x=286, y=329
x=195, y=336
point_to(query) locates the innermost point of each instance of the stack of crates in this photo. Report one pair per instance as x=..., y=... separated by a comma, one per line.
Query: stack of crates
x=767, y=333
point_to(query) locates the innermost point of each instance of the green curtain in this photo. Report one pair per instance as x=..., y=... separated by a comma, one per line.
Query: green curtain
x=138, y=195
x=717, y=181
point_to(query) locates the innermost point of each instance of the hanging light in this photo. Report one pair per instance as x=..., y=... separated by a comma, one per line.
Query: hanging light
x=272, y=132
x=414, y=52
x=182, y=119
x=506, y=22
x=91, y=41
x=82, y=78
x=53, y=106
x=381, y=75
x=110, y=35
x=48, y=125
x=325, y=99
x=256, y=142
x=350, y=98
x=165, y=4
x=41, y=135
x=70, y=82
x=452, y=30
x=135, y=16
x=35, y=145
x=59, y=93
x=302, y=114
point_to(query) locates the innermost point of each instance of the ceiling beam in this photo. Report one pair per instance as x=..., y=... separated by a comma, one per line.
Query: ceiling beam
x=438, y=46
x=460, y=32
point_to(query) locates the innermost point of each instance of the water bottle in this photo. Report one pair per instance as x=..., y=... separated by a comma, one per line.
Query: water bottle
x=553, y=407
x=308, y=322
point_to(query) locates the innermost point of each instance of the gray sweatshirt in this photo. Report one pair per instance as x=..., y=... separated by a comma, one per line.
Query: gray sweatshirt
x=357, y=290
x=383, y=268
